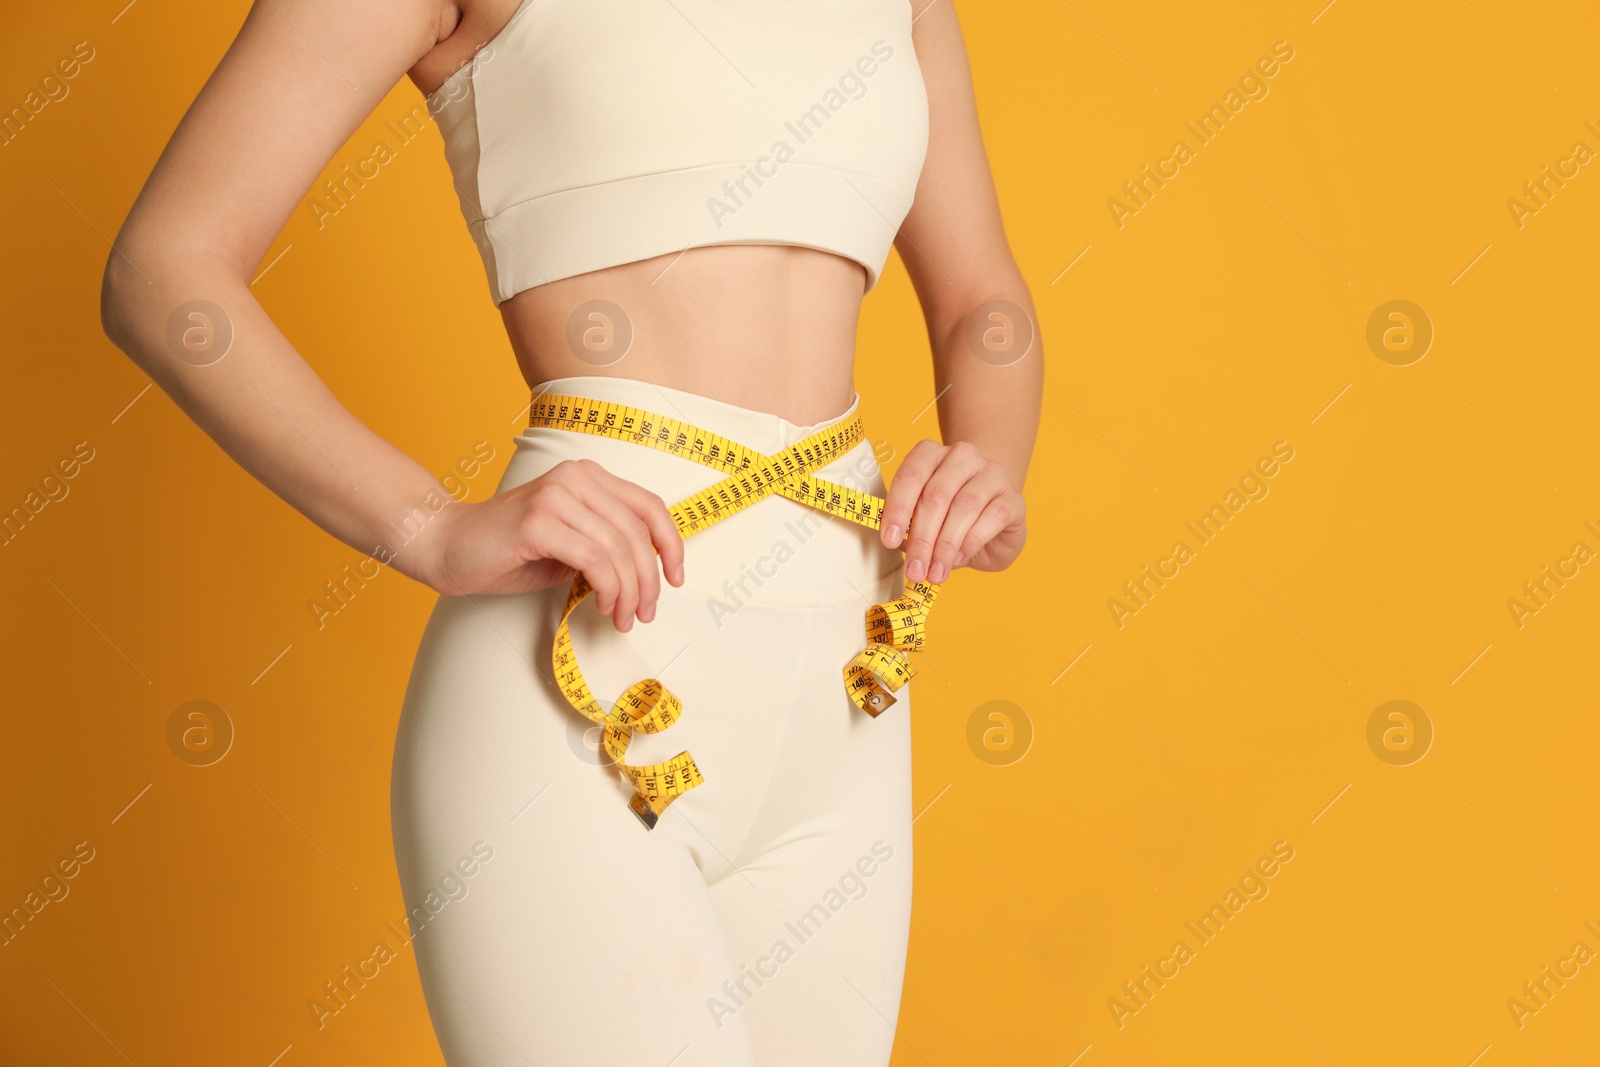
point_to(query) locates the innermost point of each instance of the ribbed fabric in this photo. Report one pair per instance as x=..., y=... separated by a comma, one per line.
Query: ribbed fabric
x=586, y=135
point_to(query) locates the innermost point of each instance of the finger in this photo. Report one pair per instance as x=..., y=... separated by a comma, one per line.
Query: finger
x=549, y=535
x=624, y=573
x=642, y=557
x=1003, y=511
x=960, y=462
x=909, y=479
x=970, y=502
x=664, y=535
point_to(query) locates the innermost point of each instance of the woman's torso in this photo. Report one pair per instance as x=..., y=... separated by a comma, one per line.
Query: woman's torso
x=765, y=326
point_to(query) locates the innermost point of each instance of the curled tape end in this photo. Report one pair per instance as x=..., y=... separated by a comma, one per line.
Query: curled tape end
x=874, y=675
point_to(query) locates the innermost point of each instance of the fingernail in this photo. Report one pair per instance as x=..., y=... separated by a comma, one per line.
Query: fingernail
x=915, y=570
x=678, y=570
x=937, y=574
x=893, y=535
x=626, y=624
x=647, y=613
x=961, y=557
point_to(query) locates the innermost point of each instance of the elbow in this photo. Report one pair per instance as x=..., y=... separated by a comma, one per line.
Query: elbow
x=147, y=286
x=986, y=280
x=1001, y=304
x=122, y=291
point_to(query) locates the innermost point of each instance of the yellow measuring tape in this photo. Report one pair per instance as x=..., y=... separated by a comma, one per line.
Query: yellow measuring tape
x=894, y=628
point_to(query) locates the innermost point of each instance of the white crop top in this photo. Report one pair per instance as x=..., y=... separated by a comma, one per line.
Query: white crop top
x=590, y=133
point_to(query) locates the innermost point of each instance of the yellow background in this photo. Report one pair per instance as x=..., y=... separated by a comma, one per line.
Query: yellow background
x=1230, y=713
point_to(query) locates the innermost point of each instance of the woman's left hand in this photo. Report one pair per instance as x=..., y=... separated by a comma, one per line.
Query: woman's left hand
x=968, y=512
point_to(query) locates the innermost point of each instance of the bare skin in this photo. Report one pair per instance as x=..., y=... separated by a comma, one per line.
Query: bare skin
x=765, y=327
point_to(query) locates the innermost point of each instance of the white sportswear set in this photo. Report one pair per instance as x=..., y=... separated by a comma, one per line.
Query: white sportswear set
x=764, y=919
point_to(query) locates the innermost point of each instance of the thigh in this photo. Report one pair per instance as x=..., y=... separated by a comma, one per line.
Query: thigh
x=819, y=911
x=578, y=938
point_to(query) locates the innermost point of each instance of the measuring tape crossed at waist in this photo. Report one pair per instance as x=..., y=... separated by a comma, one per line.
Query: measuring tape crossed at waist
x=894, y=627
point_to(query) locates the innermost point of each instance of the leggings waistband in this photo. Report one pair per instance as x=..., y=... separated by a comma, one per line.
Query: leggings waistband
x=761, y=430
x=777, y=551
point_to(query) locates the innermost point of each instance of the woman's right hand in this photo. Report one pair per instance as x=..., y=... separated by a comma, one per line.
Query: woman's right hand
x=577, y=517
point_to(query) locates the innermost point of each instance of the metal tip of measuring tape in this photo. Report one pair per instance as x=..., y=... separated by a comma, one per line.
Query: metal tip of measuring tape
x=641, y=808
x=877, y=701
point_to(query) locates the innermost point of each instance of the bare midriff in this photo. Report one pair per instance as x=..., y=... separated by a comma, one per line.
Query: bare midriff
x=766, y=327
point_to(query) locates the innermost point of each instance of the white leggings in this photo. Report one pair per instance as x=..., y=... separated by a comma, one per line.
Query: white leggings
x=764, y=920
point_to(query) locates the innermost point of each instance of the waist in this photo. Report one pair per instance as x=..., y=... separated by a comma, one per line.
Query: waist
x=765, y=327
x=777, y=551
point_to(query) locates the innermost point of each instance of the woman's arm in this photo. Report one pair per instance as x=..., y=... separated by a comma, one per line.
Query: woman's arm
x=987, y=355
x=295, y=84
